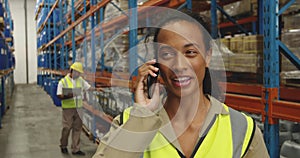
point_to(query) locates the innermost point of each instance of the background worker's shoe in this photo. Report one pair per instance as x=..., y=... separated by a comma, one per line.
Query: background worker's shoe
x=64, y=150
x=78, y=153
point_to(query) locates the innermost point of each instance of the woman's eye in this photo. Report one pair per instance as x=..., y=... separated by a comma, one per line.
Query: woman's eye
x=167, y=54
x=191, y=53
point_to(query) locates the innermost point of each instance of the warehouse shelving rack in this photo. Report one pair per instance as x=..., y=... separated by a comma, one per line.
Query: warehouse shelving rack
x=79, y=13
x=265, y=99
x=259, y=99
x=7, y=58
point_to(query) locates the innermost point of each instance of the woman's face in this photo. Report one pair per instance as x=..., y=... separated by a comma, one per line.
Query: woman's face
x=182, y=57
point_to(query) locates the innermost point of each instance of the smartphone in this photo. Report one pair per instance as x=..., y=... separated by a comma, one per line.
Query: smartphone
x=150, y=81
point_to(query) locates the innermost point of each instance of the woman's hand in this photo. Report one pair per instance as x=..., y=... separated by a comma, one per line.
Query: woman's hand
x=141, y=90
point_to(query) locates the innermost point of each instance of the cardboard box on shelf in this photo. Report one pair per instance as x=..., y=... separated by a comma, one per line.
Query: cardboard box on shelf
x=253, y=44
x=225, y=42
x=291, y=22
x=286, y=65
x=239, y=9
x=291, y=40
x=237, y=44
x=251, y=63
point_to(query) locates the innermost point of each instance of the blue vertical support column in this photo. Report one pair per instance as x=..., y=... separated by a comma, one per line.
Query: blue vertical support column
x=48, y=34
x=260, y=17
x=271, y=74
x=214, y=19
x=66, y=53
x=93, y=68
x=61, y=28
x=73, y=32
x=54, y=35
x=93, y=46
x=102, y=38
x=85, y=42
x=254, y=31
x=133, y=24
x=189, y=4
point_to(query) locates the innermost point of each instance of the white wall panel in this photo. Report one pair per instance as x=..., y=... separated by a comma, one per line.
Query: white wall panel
x=18, y=13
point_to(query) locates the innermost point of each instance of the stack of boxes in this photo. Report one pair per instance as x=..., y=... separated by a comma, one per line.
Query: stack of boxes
x=248, y=54
x=290, y=36
x=291, y=40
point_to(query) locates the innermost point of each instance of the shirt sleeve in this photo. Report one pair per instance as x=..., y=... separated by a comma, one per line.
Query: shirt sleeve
x=130, y=139
x=257, y=147
x=59, y=88
x=85, y=85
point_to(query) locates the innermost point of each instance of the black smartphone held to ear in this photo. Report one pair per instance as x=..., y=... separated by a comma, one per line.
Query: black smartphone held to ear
x=150, y=81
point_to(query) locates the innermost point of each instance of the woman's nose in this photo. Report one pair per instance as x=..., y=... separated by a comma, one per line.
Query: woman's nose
x=180, y=63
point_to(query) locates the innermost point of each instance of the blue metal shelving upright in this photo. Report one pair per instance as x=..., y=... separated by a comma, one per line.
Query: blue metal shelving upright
x=57, y=56
x=271, y=73
x=272, y=45
x=268, y=13
x=133, y=24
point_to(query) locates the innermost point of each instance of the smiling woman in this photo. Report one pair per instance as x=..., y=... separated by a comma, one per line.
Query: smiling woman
x=190, y=122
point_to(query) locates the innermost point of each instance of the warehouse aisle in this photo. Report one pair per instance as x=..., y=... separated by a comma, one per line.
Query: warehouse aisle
x=31, y=127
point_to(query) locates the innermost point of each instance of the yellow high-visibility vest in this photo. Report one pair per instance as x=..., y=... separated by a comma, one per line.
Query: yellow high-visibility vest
x=229, y=137
x=71, y=103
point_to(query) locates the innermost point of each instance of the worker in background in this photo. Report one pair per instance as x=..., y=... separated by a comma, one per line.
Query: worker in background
x=192, y=122
x=70, y=104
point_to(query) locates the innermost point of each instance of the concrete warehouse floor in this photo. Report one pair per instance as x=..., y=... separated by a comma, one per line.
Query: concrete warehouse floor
x=31, y=127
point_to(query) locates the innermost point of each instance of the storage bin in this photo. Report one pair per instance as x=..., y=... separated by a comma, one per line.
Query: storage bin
x=1, y=10
x=3, y=61
x=54, y=97
x=39, y=80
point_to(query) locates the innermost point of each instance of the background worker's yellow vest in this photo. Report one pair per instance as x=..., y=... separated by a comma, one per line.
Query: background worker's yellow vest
x=71, y=103
x=228, y=137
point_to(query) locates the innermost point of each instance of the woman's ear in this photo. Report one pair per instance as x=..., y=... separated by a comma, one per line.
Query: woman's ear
x=208, y=57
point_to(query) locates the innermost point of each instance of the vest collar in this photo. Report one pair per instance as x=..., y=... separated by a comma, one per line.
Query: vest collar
x=167, y=131
x=71, y=79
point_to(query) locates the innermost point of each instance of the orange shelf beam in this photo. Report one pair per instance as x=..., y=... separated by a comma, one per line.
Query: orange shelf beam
x=204, y=5
x=114, y=22
x=104, y=79
x=48, y=16
x=6, y=71
x=39, y=10
x=286, y=93
x=281, y=109
x=246, y=89
x=80, y=8
x=88, y=14
x=96, y=112
x=241, y=21
x=286, y=110
x=245, y=103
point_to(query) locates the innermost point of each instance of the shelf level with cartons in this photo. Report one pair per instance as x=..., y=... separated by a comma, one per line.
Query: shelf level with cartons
x=86, y=13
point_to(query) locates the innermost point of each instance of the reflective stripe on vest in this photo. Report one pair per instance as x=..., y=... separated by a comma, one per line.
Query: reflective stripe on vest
x=228, y=137
x=71, y=103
